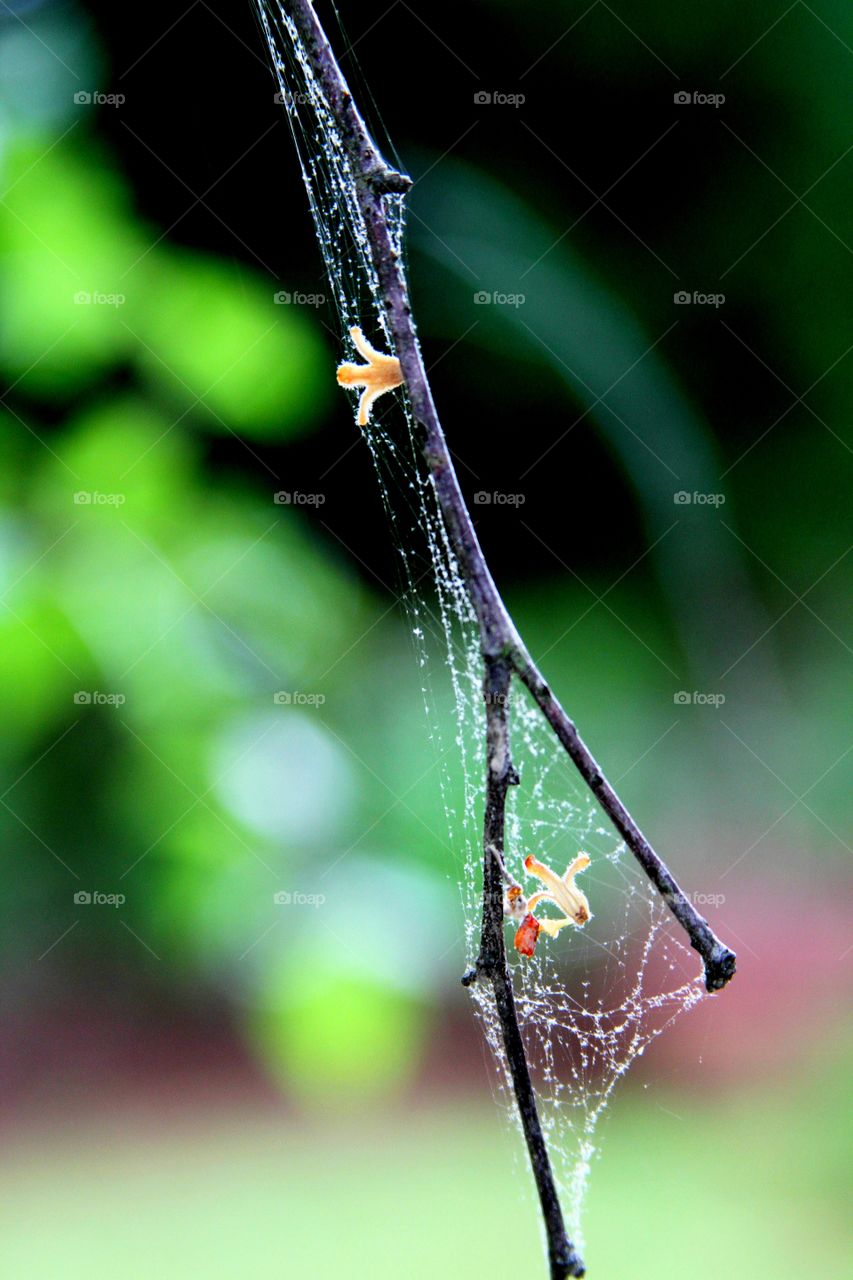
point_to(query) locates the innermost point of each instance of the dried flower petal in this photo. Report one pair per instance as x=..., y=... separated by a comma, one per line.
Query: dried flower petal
x=526, y=935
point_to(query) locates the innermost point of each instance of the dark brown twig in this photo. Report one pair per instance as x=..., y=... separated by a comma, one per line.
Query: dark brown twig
x=503, y=651
x=491, y=962
x=498, y=636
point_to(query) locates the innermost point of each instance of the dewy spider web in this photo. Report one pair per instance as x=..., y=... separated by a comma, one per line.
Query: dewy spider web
x=590, y=1001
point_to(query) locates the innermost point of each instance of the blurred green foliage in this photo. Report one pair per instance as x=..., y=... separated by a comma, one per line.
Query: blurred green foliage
x=88, y=286
x=182, y=600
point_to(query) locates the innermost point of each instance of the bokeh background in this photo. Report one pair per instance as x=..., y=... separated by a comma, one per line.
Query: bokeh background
x=197, y=1079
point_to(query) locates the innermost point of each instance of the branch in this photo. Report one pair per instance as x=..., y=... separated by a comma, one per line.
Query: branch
x=491, y=963
x=498, y=636
x=502, y=649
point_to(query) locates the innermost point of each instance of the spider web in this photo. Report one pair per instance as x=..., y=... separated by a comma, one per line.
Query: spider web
x=591, y=1001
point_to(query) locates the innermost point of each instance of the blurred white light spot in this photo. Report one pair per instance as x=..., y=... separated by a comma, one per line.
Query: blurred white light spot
x=284, y=776
x=391, y=919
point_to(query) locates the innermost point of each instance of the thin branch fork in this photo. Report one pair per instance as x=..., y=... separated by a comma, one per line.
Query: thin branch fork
x=503, y=650
x=491, y=963
x=498, y=635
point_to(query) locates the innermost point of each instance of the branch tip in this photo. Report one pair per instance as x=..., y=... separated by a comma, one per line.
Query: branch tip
x=720, y=967
x=567, y=1263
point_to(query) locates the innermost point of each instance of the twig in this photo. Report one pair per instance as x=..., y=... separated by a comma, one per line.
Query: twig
x=502, y=648
x=491, y=962
x=498, y=636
